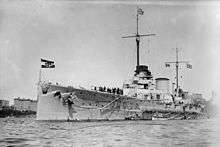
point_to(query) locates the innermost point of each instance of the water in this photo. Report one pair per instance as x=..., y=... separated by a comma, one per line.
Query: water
x=28, y=132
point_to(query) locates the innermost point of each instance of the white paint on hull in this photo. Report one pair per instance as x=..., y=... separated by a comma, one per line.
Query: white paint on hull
x=51, y=108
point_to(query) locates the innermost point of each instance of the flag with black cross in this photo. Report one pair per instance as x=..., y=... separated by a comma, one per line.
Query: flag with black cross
x=47, y=64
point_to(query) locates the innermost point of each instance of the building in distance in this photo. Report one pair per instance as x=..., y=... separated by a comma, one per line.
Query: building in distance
x=25, y=104
x=4, y=104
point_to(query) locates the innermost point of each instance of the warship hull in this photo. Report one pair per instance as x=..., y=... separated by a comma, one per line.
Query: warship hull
x=61, y=103
x=86, y=105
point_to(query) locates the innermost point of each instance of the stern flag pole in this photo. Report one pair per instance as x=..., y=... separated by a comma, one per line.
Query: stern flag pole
x=40, y=72
x=39, y=82
x=44, y=64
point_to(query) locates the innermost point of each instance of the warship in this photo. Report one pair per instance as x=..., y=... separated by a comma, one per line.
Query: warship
x=140, y=98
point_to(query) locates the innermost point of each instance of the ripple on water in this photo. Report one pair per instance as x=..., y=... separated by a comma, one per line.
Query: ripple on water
x=14, y=141
x=28, y=132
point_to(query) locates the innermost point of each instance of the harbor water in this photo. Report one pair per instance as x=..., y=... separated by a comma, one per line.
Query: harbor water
x=29, y=132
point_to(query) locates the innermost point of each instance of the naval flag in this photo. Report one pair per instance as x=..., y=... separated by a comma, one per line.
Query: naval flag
x=140, y=11
x=47, y=64
x=167, y=64
x=189, y=66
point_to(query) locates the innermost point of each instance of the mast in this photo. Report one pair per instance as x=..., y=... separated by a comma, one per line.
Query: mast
x=138, y=58
x=177, y=63
x=138, y=40
x=137, y=20
x=177, y=71
x=137, y=36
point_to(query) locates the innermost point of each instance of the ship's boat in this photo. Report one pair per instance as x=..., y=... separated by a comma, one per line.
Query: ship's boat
x=140, y=98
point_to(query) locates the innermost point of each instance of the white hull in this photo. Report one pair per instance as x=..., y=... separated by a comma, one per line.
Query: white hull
x=50, y=108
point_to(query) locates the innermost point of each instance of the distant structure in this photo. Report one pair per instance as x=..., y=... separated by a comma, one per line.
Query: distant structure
x=3, y=104
x=25, y=104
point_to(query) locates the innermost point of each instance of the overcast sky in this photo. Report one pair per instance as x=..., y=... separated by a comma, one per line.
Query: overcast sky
x=84, y=40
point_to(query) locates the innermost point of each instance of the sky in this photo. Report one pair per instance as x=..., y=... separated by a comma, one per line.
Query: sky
x=84, y=38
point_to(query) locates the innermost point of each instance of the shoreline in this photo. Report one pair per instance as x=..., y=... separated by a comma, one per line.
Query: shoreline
x=7, y=112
